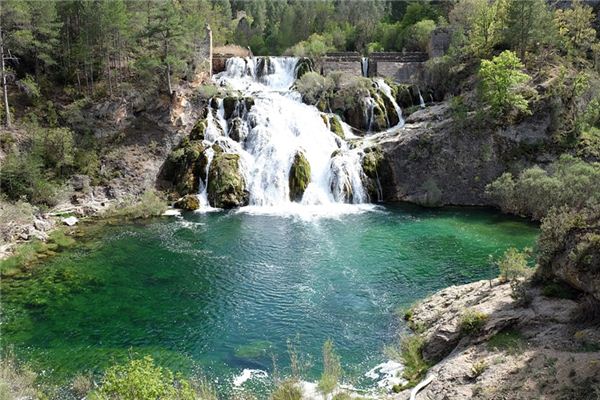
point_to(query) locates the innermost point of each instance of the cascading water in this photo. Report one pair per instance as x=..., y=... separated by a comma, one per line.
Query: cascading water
x=270, y=134
x=387, y=91
x=364, y=66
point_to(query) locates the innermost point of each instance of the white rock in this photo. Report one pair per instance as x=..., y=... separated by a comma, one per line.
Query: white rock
x=70, y=221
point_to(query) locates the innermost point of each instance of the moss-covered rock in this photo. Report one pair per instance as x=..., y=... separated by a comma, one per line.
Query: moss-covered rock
x=249, y=103
x=226, y=186
x=235, y=130
x=197, y=132
x=185, y=166
x=299, y=176
x=371, y=161
x=335, y=126
x=188, y=202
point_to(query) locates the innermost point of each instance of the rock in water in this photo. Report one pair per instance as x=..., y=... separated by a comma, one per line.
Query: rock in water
x=188, y=203
x=226, y=186
x=299, y=176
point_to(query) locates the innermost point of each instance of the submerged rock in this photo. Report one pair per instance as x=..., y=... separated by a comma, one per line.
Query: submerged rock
x=299, y=176
x=189, y=202
x=226, y=186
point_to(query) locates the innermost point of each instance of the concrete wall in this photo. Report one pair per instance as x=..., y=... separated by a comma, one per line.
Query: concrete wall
x=400, y=72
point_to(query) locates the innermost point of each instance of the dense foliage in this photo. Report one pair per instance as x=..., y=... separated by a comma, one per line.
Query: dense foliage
x=568, y=182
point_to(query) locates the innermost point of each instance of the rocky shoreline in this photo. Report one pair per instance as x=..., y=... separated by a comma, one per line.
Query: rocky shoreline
x=540, y=350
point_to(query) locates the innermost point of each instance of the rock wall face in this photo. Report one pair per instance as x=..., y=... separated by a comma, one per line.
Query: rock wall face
x=577, y=262
x=434, y=160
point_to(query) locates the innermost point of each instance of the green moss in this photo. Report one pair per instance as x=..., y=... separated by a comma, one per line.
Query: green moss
x=335, y=126
x=197, y=132
x=226, y=186
x=299, y=176
x=371, y=161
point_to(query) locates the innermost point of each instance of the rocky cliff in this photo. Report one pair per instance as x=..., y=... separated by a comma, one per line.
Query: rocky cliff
x=439, y=159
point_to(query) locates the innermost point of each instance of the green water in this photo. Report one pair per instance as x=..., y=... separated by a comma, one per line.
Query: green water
x=222, y=292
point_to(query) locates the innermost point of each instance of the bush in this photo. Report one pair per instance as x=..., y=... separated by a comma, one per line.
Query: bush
x=149, y=204
x=500, y=80
x=513, y=264
x=568, y=182
x=287, y=390
x=472, y=322
x=415, y=367
x=314, y=86
x=332, y=369
x=141, y=379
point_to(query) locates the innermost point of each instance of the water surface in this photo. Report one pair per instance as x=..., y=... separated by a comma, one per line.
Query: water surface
x=224, y=292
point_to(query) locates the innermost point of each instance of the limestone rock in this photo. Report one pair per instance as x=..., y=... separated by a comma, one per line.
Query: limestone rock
x=299, y=176
x=226, y=186
x=189, y=202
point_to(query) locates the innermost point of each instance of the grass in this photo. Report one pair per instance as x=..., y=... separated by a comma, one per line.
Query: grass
x=509, y=340
x=16, y=380
x=472, y=322
x=287, y=390
x=411, y=352
x=332, y=369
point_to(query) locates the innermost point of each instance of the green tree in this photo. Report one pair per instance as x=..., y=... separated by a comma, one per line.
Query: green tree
x=168, y=41
x=500, y=80
x=575, y=27
x=527, y=21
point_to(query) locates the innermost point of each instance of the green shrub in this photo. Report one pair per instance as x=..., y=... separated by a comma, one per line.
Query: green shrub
x=567, y=182
x=415, y=367
x=287, y=390
x=149, y=204
x=472, y=322
x=513, y=264
x=314, y=86
x=501, y=79
x=141, y=379
x=332, y=369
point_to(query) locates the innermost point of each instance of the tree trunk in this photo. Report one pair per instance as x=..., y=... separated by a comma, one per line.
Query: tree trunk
x=4, y=87
x=169, y=79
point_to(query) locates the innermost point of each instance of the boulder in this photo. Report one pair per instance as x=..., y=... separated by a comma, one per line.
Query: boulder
x=226, y=186
x=189, y=202
x=70, y=221
x=299, y=176
x=335, y=126
x=235, y=131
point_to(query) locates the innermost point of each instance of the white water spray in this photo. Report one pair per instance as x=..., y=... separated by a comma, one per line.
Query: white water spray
x=273, y=130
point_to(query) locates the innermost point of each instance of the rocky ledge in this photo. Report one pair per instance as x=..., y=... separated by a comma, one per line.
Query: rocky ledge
x=488, y=346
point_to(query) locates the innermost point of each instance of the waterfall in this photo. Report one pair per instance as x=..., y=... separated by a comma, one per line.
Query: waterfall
x=268, y=135
x=387, y=92
x=364, y=65
x=421, y=101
